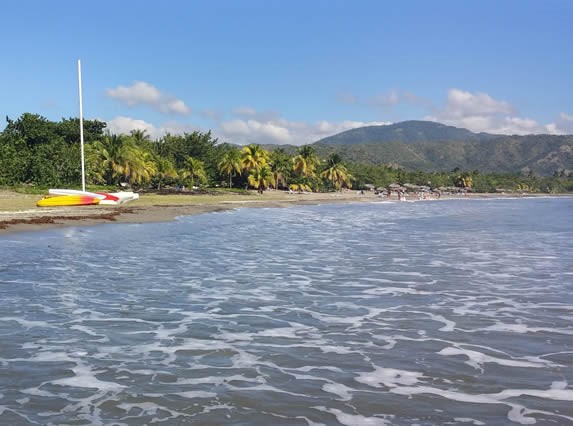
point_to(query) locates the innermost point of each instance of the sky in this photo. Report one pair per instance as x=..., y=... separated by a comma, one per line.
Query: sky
x=290, y=71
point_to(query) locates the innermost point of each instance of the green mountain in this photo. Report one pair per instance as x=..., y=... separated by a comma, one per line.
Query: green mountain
x=428, y=146
x=413, y=131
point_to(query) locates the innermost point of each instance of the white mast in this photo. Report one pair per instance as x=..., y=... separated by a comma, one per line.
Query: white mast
x=81, y=126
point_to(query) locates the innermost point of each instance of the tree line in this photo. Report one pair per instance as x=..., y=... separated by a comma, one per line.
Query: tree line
x=44, y=153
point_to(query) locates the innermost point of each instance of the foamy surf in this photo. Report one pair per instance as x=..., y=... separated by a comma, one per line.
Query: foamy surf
x=383, y=314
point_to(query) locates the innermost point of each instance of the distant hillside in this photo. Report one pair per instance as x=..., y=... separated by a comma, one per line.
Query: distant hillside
x=406, y=132
x=429, y=146
x=541, y=154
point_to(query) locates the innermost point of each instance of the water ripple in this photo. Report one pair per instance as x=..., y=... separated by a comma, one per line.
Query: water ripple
x=387, y=313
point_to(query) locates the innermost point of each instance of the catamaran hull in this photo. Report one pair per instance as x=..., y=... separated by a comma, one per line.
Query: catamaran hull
x=67, y=200
x=106, y=198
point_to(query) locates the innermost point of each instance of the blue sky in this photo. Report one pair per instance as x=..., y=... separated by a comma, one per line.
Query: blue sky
x=291, y=71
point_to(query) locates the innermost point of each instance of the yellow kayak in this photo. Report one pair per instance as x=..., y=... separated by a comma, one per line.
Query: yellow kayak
x=67, y=200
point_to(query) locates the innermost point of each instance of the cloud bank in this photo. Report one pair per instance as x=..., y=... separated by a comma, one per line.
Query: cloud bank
x=241, y=131
x=142, y=93
x=271, y=128
x=124, y=125
x=479, y=112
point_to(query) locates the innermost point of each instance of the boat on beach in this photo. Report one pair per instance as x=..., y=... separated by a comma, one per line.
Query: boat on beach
x=67, y=200
x=105, y=198
x=75, y=197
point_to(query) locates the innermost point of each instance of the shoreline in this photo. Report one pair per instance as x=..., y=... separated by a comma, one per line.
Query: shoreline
x=154, y=208
x=158, y=210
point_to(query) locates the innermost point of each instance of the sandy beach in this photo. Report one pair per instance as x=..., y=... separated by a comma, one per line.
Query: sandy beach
x=18, y=212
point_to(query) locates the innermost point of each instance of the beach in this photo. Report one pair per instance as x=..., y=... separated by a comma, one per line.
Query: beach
x=18, y=212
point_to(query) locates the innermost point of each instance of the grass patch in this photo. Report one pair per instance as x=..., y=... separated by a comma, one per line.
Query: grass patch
x=13, y=201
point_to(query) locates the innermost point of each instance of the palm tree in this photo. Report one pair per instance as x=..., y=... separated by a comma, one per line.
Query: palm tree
x=164, y=171
x=309, y=154
x=140, y=167
x=305, y=162
x=463, y=180
x=280, y=163
x=116, y=159
x=108, y=158
x=194, y=169
x=139, y=136
x=336, y=173
x=300, y=166
x=261, y=178
x=253, y=156
x=231, y=163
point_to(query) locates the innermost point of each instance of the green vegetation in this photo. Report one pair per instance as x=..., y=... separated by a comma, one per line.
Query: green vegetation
x=36, y=154
x=428, y=146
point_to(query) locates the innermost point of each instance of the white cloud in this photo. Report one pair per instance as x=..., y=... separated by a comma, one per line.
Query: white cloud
x=516, y=125
x=564, y=123
x=277, y=130
x=124, y=125
x=239, y=131
x=142, y=93
x=328, y=128
x=465, y=104
x=254, y=131
x=177, y=106
x=235, y=127
x=479, y=112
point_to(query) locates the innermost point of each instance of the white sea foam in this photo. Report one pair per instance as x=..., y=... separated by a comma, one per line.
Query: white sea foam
x=341, y=350
x=524, y=328
x=517, y=413
x=478, y=359
x=468, y=420
x=84, y=377
x=389, y=377
x=342, y=391
x=559, y=385
x=354, y=419
x=185, y=394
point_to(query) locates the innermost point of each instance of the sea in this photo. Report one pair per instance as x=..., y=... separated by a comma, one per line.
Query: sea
x=446, y=312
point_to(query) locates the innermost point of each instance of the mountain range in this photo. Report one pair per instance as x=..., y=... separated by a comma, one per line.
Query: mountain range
x=409, y=132
x=430, y=146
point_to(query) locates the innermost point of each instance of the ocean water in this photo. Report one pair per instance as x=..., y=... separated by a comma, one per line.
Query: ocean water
x=428, y=313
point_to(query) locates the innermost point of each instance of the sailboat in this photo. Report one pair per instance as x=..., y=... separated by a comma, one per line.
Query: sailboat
x=74, y=197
